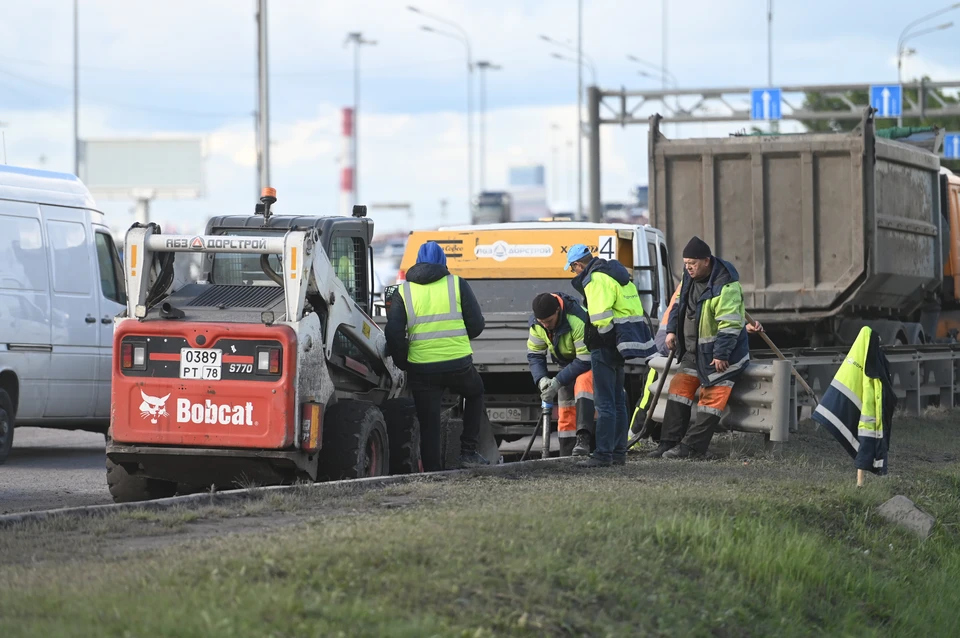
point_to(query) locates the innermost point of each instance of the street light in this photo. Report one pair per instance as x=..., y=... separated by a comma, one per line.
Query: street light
x=356, y=38
x=579, y=61
x=464, y=39
x=484, y=66
x=663, y=73
x=587, y=63
x=907, y=35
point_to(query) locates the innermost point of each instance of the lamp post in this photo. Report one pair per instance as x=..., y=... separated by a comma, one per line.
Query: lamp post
x=464, y=39
x=76, y=91
x=484, y=66
x=581, y=56
x=263, y=98
x=906, y=35
x=356, y=38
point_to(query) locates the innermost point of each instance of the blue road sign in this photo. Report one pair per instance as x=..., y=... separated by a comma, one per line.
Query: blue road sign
x=951, y=146
x=887, y=99
x=765, y=104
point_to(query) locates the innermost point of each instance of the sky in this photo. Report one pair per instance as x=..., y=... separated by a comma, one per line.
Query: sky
x=187, y=68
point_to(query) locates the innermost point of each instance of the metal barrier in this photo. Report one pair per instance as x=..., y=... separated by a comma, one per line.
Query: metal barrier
x=921, y=374
x=763, y=399
x=766, y=399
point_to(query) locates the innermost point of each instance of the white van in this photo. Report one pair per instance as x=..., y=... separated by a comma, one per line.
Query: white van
x=61, y=284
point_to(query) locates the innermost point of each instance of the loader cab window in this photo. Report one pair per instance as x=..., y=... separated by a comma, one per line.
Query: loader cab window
x=349, y=261
x=240, y=269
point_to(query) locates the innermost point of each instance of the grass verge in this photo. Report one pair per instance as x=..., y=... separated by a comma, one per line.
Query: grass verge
x=740, y=546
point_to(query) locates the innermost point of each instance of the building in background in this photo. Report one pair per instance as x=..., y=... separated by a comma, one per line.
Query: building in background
x=528, y=192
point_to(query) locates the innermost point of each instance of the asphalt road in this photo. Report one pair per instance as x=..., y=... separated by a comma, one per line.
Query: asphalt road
x=49, y=469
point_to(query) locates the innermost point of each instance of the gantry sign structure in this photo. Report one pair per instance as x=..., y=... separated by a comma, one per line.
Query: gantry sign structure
x=921, y=99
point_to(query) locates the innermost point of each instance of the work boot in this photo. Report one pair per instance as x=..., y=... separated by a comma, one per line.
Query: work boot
x=683, y=452
x=662, y=449
x=471, y=459
x=619, y=459
x=566, y=445
x=584, y=444
x=592, y=461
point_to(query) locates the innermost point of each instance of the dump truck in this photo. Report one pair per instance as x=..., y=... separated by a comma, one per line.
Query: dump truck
x=829, y=231
x=267, y=370
x=507, y=265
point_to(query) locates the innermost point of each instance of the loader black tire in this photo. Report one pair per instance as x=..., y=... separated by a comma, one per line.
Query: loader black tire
x=355, y=441
x=403, y=430
x=125, y=488
x=7, y=417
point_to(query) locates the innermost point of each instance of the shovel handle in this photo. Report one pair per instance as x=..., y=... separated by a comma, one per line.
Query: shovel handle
x=776, y=351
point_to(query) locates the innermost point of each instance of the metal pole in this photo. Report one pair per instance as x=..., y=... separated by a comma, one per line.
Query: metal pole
x=580, y=110
x=900, y=81
x=356, y=120
x=469, y=130
x=483, y=127
x=554, y=178
x=263, y=109
x=774, y=124
x=593, y=115
x=76, y=91
x=663, y=41
x=770, y=43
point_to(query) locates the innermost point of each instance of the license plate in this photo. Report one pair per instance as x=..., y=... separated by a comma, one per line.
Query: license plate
x=500, y=415
x=200, y=363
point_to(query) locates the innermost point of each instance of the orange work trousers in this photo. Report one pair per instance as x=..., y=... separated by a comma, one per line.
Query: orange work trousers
x=575, y=405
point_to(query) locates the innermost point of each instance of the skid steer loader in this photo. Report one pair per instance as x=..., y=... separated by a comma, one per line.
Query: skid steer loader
x=267, y=370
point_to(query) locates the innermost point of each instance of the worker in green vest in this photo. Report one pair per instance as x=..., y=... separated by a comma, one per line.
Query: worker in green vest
x=431, y=320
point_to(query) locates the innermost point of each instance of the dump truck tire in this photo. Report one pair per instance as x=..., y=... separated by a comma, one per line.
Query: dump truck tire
x=6, y=425
x=355, y=441
x=125, y=488
x=403, y=430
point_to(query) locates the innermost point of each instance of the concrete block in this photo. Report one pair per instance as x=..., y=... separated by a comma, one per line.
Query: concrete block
x=903, y=512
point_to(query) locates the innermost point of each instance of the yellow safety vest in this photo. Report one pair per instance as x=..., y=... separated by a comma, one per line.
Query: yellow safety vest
x=435, y=326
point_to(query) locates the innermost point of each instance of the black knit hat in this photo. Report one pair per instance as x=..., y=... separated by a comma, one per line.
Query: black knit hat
x=696, y=248
x=545, y=305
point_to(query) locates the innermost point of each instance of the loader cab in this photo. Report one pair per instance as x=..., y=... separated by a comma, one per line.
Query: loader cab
x=346, y=240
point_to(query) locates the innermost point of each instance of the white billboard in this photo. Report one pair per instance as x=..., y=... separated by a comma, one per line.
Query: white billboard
x=143, y=168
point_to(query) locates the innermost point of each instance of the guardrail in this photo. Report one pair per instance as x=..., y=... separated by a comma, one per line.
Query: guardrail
x=922, y=375
x=766, y=399
x=763, y=399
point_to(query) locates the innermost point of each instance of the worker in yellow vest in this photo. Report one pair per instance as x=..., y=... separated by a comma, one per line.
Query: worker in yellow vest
x=431, y=320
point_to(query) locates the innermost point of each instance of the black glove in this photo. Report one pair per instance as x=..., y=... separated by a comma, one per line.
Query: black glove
x=592, y=338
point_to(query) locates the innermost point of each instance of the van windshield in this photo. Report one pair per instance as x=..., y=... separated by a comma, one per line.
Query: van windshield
x=242, y=269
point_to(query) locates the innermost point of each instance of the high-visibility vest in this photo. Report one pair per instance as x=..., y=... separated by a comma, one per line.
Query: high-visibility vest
x=852, y=408
x=435, y=326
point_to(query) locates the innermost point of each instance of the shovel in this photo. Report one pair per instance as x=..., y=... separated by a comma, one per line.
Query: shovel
x=645, y=430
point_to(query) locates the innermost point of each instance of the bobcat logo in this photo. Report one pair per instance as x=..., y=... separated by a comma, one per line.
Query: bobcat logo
x=153, y=407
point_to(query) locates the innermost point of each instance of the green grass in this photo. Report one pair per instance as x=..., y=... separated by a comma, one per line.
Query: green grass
x=743, y=546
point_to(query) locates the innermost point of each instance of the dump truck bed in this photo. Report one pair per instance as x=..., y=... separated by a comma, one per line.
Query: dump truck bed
x=817, y=224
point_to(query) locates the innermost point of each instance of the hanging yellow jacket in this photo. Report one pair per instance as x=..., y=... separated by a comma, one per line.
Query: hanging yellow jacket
x=857, y=407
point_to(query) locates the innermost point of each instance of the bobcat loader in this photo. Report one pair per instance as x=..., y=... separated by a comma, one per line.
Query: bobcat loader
x=267, y=370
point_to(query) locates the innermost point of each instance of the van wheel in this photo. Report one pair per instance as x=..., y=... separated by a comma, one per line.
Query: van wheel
x=6, y=425
x=125, y=488
x=355, y=442
x=403, y=430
